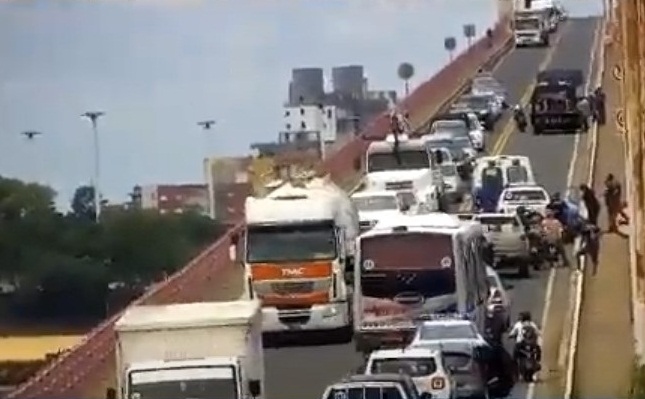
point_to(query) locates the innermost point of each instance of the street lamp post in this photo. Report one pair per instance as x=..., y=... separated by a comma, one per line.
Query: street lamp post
x=93, y=116
x=208, y=173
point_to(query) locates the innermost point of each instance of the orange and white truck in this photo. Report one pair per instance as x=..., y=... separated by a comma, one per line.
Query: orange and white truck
x=299, y=247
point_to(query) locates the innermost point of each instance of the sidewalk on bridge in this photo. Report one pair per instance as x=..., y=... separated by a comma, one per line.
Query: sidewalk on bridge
x=605, y=343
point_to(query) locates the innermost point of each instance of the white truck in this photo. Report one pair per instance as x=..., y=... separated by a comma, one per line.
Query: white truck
x=403, y=163
x=531, y=24
x=300, y=243
x=190, y=351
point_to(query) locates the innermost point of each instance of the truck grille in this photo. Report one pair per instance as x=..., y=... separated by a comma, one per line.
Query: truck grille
x=365, y=225
x=287, y=288
x=399, y=185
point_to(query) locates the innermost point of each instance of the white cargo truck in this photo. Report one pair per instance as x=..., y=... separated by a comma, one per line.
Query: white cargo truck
x=300, y=243
x=190, y=351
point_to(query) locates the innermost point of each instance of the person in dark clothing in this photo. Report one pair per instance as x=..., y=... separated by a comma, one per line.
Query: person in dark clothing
x=559, y=208
x=614, y=202
x=599, y=106
x=489, y=37
x=591, y=203
x=590, y=245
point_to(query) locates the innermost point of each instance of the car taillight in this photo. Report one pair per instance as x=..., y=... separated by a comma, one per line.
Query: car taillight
x=437, y=383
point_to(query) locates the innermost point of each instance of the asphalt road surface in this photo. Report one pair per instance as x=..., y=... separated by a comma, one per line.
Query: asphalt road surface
x=303, y=372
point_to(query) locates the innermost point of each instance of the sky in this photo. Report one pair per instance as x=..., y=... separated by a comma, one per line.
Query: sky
x=156, y=67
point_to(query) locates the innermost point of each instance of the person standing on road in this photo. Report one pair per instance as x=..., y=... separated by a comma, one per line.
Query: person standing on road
x=591, y=203
x=584, y=109
x=599, y=97
x=614, y=202
x=590, y=245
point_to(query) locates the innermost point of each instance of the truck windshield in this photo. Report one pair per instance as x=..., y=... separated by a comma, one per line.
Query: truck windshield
x=414, y=367
x=291, y=243
x=376, y=203
x=527, y=24
x=406, y=160
x=425, y=258
x=183, y=383
x=364, y=392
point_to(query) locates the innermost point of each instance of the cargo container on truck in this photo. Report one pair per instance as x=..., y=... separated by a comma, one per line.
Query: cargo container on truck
x=190, y=351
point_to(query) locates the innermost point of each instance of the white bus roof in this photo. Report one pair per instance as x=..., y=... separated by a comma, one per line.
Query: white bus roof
x=184, y=315
x=434, y=220
x=376, y=193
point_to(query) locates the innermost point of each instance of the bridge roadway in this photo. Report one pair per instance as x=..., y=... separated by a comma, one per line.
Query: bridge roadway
x=303, y=372
x=298, y=372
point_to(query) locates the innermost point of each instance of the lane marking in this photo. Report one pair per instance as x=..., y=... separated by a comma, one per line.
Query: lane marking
x=599, y=54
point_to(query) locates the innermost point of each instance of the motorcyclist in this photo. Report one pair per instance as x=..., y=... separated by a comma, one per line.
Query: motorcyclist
x=552, y=234
x=519, y=116
x=525, y=331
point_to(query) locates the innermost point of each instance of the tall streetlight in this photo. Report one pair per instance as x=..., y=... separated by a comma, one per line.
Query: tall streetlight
x=93, y=116
x=206, y=125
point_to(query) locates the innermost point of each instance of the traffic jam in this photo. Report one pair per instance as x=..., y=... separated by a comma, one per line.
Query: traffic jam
x=407, y=267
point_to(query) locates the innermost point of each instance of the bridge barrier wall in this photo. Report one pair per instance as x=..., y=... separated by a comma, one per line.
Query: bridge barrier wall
x=65, y=376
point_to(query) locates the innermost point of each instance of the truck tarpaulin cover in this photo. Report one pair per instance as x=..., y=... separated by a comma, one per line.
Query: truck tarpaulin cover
x=572, y=76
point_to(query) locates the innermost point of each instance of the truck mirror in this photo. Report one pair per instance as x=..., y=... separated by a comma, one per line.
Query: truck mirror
x=255, y=388
x=232, y=253
x=110, y=393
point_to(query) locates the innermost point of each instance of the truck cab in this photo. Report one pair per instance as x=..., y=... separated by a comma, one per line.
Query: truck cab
x=403, y=163
x=300, y=241
x=531, y=28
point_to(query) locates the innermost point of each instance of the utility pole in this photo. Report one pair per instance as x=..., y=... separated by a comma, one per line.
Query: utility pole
x=94, y=116
x=208, y=173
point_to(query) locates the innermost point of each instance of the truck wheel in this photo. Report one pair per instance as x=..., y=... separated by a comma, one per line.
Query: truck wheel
x=524, y=270
x=536, y=131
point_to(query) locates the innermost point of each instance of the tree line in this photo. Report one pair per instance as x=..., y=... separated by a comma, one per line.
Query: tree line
x=65, y=265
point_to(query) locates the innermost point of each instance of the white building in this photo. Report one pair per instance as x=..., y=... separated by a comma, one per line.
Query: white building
x=312, y=118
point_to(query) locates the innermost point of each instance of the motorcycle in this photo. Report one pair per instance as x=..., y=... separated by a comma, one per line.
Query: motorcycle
x=527, y=362
x=520, y=121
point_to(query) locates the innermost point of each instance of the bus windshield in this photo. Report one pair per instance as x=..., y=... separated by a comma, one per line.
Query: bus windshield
x=527, y=24
x=426, y=259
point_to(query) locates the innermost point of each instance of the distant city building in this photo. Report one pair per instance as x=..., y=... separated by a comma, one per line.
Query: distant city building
x=175, y=198
x=349, y=80
x=307, y=86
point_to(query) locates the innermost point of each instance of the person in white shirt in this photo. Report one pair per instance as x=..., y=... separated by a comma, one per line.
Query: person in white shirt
x=526, y=331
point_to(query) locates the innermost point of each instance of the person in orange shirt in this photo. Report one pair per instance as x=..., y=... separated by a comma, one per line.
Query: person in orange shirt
x=552, y=233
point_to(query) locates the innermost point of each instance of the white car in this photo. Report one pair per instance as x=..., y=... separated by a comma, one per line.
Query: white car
x=477, y=135
x=532, y=197
x=374, y=205
x=499, y=302
x=425, y=367
x=513, y=170
x=455, y=187
x=448, y=334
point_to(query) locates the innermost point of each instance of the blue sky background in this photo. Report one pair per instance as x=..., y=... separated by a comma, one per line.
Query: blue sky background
x=157, y=66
